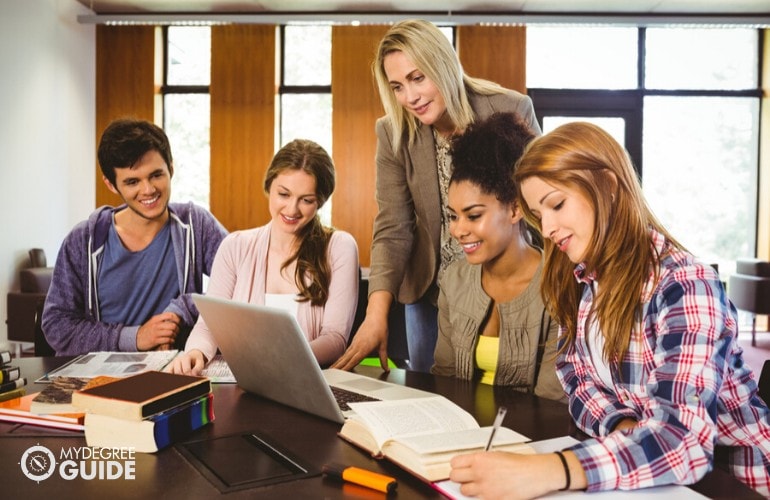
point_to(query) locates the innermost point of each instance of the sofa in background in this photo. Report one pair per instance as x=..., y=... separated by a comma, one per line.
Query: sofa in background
x=26, y=305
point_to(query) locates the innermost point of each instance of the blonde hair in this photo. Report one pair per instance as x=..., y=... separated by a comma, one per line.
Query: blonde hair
x=584, y=157
x=431, y=52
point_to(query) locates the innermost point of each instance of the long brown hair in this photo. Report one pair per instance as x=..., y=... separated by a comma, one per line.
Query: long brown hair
x=584, y=157
x=313, y=273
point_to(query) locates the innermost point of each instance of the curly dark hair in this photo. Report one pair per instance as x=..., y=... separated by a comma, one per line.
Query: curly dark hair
x=485, y=154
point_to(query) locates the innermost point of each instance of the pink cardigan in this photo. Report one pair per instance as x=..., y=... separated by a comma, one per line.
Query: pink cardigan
x=239, y=273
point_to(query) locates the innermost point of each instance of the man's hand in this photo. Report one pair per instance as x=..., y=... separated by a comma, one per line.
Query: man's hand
x=371, y=335
x=159, y=332
x=188, y=363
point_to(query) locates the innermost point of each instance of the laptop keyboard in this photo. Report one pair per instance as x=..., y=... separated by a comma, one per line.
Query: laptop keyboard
x=344, y=397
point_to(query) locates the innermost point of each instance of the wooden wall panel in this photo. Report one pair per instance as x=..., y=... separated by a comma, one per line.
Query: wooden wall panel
x=496, y=53
x=243, y=93
x=125, y=59
x=356, y=108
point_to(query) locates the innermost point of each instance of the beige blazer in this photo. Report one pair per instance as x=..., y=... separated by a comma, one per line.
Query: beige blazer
x=407, y=228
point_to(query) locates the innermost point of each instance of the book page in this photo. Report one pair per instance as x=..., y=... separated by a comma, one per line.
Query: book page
x=451, y=489
x=409, y=417
x=218, y=371
x=464, y=440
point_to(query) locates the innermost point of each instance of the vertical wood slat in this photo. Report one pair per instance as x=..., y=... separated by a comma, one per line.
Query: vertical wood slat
x=243, y=91
x=356, y=109
x=496, y=53
x=125, y=62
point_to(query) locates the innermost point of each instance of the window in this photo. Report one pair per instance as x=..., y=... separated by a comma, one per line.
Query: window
x=306, y=82
x=581, y=57
x=688, y=116
x=186, y=105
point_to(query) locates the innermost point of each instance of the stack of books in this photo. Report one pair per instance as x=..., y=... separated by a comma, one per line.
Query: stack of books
x=11, y=382
x=146, y=412
x=19, y=411
x=51, y=407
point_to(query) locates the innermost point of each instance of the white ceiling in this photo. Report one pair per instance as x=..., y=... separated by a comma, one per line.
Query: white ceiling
x=508, y=6
x=459, y=11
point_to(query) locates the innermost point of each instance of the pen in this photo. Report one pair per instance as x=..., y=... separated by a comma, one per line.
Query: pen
x=364, y=477
x=496, y=425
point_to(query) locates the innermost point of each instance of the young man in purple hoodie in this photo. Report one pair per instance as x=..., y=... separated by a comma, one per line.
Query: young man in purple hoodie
x=123, y=277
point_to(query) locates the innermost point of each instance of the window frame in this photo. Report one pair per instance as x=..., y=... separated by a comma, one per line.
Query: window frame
x=629, y=105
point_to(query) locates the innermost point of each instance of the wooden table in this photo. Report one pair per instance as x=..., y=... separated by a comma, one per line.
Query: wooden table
x=169, y=474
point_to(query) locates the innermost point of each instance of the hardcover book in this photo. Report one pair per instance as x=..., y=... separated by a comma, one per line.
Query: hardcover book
x=153, y=433
x=422, y=435
x=139, y=396
x=16, y=393
x=13, y=385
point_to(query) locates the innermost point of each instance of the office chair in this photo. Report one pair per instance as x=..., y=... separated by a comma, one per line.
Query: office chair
x=764, y=382
x=749, y=290
x=42, y=347
x=398, y=353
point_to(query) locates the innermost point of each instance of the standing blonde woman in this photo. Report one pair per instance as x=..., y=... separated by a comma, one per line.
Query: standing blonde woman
x=427, y=99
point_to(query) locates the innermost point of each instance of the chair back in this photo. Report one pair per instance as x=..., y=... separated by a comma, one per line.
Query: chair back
x=42, y=347
x=398, y=351
x=764, y=383
x=749, y=287
x=37, y=257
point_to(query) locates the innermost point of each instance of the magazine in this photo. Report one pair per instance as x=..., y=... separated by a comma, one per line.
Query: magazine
x=123, y=364
x=114, y=364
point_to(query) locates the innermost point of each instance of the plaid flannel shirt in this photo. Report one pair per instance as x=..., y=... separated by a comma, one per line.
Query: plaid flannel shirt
x=683, y=380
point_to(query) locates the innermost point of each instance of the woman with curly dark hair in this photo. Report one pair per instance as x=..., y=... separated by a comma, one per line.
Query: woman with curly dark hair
x=492, y=320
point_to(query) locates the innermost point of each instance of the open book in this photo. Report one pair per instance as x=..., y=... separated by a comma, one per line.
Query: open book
x=423, y=434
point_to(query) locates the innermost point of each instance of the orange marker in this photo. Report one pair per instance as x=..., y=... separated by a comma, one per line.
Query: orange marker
x=364, y=477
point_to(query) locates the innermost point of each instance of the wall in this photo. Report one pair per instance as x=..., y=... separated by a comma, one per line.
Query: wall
x=46, y=134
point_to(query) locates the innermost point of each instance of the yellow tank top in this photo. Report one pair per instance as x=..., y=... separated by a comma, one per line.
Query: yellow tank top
x=487, y=351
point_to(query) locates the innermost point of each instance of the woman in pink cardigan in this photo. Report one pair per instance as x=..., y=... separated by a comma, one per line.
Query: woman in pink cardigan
x=293, y=262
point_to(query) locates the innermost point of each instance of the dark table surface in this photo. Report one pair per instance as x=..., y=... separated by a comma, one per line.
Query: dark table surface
x=169, y=474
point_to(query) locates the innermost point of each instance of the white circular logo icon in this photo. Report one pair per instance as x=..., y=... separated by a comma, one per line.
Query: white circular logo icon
x=38, y=463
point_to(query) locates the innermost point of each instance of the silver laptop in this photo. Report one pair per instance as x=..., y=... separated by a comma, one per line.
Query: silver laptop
x=270, y=356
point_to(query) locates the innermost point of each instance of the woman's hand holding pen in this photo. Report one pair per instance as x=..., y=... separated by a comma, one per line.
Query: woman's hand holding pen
x=507, y=475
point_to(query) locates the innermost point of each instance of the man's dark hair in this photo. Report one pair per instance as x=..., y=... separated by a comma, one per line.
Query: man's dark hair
x=485, y=154
x=125, y=141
